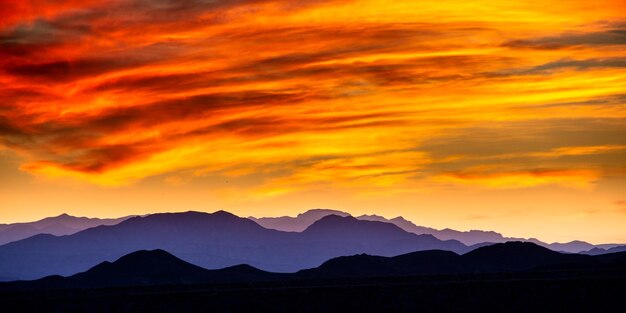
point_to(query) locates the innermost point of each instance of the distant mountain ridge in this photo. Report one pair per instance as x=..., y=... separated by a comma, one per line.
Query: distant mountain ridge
x=61, y=225
x=599, y=250
x=470, y=238
x=298, y=223
x=158, y=267
x=212, y=240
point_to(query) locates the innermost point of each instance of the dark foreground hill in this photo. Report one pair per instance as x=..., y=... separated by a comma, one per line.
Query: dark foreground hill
x=158, y=267
x=146, y=268
x=498, y=258
x=162, y=283
x=212, y=241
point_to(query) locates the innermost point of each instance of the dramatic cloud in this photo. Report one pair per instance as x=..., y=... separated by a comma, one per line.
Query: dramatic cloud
x=91, y=90
x=286, y=97
x=607, y=37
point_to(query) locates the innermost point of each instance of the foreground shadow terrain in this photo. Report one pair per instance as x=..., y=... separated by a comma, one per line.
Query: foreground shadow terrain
x=569, y=291
x=509, y=277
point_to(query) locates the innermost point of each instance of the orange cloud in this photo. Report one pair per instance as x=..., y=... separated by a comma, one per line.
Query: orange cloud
x=434, y=110
x=92, y=93
x=522, y=179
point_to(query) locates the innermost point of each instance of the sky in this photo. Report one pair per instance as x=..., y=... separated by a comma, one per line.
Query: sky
x=497, y=115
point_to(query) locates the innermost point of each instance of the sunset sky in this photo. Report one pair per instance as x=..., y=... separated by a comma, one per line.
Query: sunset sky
x=497, y=115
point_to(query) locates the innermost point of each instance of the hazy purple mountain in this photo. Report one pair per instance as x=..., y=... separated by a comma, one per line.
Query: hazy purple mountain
x=600, y=251
x=298, y=223
x=214, y=240
x=469, y=238
x=609, y=245
x=402, y=223
x=575, y=246
x=474, y=237
x=59, y=225
x=305, y=219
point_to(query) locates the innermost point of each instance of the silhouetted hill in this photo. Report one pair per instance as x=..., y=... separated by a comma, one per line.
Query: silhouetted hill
x=332, y=226
x=411, y=264
x=146, y=268
x=612, y=260
x=214, y=240
x=158, y=267
x=599, y=251
x=334, y=231
x=141, y=268
x=518, y=256
x=497, y=258
x=63, y=224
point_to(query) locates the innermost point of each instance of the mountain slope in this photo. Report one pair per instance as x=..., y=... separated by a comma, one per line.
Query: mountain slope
x=214, y=240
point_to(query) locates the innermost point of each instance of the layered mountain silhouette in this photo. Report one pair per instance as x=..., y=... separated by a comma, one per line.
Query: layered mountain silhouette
x=599, y=250
x=470, y=238
x=158, y=267
x=222, y=239
x=215, y=240
x=63, y=224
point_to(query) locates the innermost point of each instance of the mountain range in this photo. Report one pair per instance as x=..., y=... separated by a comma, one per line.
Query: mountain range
x=61, y=225
x=471, y=237
x=222, y=239
x=215, y=240
x=65, y=224
x=158, y=267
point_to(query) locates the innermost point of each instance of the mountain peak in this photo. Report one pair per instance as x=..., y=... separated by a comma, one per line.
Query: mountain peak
x=61, y=218
x=140, y=254
x=333, y=219
x=296, y=224
x=138, y=259
x=143, y=267
x=513, y=246
x=319, y=213
x=399, y=218
x=334, y=225
x=222, y=213
x=515, y=255
x=190, y=215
